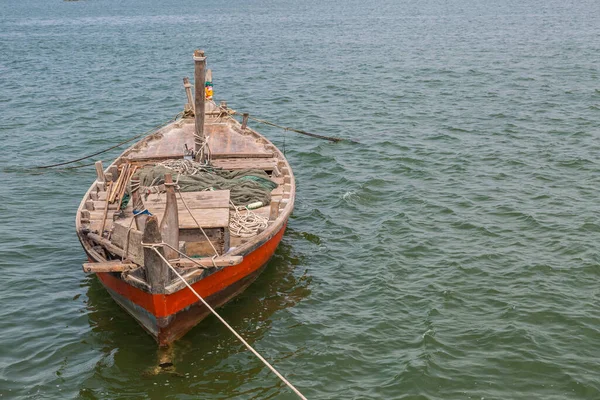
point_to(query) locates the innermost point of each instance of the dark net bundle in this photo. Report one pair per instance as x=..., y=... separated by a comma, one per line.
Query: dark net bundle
x=246, y=186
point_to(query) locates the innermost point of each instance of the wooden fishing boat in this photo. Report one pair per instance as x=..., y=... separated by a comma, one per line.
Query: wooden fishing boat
x=206, y=235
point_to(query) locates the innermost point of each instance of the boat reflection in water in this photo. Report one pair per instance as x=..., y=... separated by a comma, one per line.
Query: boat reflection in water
x=202, y=351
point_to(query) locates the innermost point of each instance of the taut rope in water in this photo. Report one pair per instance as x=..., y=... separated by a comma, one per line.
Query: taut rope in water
x=154, y=246
x=110, y=148
x=287, y=128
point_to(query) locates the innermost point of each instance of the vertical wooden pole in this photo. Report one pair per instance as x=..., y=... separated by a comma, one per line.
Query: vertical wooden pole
x=244, y=121
x=169, y=224
x=188, y=91
x=199, y=82
x=157, y=272
x=100, y=172
x=138, y=205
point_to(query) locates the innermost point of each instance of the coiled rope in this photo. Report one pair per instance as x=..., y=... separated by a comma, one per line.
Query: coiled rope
x=154, y=246
x=246, y=225
x=112, y=147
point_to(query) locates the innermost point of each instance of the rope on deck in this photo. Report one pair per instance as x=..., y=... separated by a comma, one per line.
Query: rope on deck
x=154, y=246
x=248, y=224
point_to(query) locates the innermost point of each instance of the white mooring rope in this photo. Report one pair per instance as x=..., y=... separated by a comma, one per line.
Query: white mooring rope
x=261, y=358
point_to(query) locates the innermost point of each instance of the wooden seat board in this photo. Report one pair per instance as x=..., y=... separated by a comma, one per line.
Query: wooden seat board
x=209, y=208
x=207, y=218
x=205, y=199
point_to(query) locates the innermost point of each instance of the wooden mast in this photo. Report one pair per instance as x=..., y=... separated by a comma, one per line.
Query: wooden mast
x=199, y=82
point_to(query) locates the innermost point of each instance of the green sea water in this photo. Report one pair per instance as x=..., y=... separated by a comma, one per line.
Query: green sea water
x=452, y=254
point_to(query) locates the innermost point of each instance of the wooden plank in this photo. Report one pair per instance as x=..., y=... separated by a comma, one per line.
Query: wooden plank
x=108, y=266
x=100, y=205
x=135, y=251
x=225, y=155
x=266, y=164
x=194, y=200
x=95, y=225
x=207, y=218
x=194, y=234
x=223, y=261
x=98, y=215
x=105, y=213
x=114, y=171
x=278, y=191
x=202, y=248
x=274, y=210
x=215, y=217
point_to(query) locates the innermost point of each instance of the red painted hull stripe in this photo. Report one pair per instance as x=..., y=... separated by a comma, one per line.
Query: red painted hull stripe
x=161, y=305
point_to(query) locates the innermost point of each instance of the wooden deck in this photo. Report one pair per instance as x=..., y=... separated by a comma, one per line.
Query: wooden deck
x=223, y=141
x=231, y=148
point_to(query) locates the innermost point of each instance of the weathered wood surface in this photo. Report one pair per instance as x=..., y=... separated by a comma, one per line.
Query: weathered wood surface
x=157, y=271
x=199, y=97
x=204, y=248
x=98, y=215
x=169, y=223
x=245, y=121
x=264, y=163
x=96, y=225
x=94, y=237
x=274, y=209
x=99, y=172
x=109, y=266
x=222, y=261
x=188, y=92
x=105, y=212
x=212, y=213
x=129, y=240
x=223, y=140
x=204, y=199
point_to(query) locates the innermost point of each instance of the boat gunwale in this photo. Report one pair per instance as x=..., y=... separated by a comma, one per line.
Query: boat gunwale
x=252, y=244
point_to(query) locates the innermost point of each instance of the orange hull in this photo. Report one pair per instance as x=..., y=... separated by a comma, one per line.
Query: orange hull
x=167, y=317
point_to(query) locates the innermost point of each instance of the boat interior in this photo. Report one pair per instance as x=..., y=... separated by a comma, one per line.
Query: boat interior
x=207, y=234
